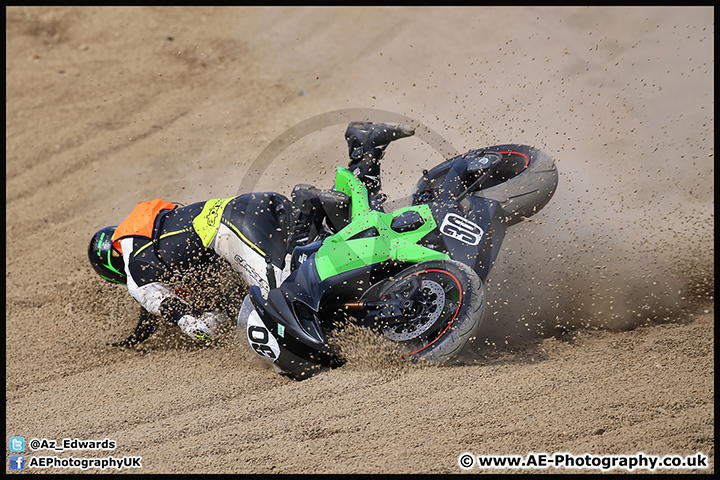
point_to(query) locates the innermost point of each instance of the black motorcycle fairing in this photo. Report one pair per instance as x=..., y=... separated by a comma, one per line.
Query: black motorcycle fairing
x=300, y=351
x=325, y=302
x=302, y=309
x=279, y=312
x=472, y=236
x=301, y=253
x=294, y=316
x=492, y=240
x=303, y=284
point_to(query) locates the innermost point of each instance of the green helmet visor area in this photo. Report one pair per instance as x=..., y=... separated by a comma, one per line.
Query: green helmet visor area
x=106, y=263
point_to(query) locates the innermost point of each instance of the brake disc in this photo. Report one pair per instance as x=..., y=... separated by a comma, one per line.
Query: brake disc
x=428, y=308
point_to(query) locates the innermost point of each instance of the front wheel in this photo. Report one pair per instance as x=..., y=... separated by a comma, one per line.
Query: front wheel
x=444, y=301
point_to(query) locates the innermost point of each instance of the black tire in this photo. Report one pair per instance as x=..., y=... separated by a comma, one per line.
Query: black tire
x=429, y=334
x=524, y=183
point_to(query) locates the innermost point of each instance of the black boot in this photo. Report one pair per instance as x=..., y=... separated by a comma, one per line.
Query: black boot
x=306, y=212
x=366, y=146
x=313, y=209
x=367, y=140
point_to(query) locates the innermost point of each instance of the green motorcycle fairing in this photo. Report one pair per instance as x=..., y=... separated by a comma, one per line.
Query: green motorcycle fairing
x=369, y=239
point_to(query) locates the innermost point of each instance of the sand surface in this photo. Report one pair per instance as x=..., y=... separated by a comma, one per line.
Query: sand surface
x=599, y=333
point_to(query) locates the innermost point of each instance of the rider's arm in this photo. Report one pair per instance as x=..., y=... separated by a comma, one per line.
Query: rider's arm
x=144, y=282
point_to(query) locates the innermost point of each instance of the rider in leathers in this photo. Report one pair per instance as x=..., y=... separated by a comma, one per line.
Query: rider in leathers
x=160, y=238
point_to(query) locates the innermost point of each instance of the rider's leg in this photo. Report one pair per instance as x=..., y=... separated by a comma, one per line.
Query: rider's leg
x=367, y=142
x=308, y=216
x=253, y=229
x=313, y=207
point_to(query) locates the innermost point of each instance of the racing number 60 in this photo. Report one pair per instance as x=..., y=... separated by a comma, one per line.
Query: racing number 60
x=259, y=338
x=461, y=229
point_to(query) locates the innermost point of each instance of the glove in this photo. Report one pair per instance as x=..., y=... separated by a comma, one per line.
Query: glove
x=201, y=328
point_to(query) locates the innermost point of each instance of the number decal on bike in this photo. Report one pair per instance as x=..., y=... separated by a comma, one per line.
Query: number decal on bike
x=259, y=338
x=462, y=229
x=261, y=341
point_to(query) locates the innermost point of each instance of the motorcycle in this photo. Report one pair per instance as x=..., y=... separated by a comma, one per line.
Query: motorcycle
x=416, y=274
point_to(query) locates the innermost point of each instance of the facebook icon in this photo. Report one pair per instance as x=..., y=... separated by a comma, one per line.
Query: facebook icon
x=17, y=462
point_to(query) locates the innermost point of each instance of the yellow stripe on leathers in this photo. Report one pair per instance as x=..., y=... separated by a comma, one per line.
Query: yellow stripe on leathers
x=207, y=223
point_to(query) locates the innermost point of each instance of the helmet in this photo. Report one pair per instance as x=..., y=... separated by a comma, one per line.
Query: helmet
x=104, y=258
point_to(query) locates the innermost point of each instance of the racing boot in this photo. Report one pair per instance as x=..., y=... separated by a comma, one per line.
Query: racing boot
x=367, y=142
x=306, y=212
x=313, y=206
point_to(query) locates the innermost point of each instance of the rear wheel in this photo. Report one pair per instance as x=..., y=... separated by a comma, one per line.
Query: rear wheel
x=525, y=181
x=443, y=304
